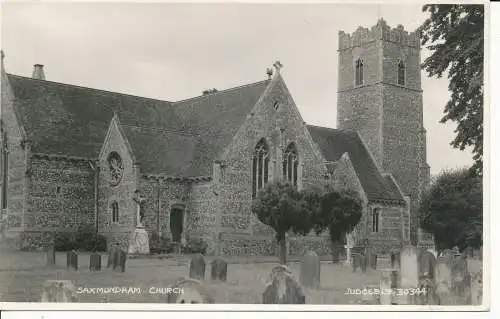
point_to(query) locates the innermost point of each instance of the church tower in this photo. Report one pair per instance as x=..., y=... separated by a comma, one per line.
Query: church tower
x=380, y=96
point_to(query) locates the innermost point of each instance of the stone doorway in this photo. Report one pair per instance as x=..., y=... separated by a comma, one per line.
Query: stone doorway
x=177, y=222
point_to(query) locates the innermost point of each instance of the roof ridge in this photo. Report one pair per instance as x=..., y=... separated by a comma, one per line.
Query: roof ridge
x=89, y=88
x=180, y=132
x=219, y=92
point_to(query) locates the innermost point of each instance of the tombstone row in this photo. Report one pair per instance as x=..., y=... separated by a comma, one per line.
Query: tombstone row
x=117, y=259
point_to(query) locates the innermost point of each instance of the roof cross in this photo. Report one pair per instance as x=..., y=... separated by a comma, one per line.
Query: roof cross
x=277, y=65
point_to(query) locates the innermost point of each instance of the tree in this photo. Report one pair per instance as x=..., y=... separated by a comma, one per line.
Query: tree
x=337, y=211
x=452, y=210
x=455, y=34
x=282, y=207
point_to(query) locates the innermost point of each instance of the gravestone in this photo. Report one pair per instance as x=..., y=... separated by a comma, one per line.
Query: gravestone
x=283, y=288
x=119, y=260
x=310, y=270
x=427, y=265
x=386, y=287
x=363, y=260
x=58, y=291
x=51, y=255
x=395, y=259
x=190, y=291
x=111, y=255
x=95, y=262
x=356, y=262
x=219, y=269
x=409, y=272
x=197, y=267
x=72, y=260
x=443, y=280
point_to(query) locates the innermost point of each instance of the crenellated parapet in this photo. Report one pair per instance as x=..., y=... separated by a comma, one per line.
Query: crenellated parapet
x=380, y=31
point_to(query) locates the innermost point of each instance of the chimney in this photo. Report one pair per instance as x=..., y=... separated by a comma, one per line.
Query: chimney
x=38, y=72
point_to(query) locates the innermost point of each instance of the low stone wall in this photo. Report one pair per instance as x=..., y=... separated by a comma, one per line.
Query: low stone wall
x=34, y=240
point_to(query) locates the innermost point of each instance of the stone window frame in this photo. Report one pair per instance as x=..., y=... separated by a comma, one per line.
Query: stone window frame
x=401, y=66
x=359, y=66
x=115, y=213
x=260, y=166
x=290, y=173
x=376, y=219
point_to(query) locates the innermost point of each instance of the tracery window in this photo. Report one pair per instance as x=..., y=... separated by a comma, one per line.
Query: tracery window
x=260, y=167
x=290, y=164
x=114, y=212
x=375, y=220
x=401, y=72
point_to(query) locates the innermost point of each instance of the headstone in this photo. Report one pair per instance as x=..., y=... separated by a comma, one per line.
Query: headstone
x=356, y=262
x=219, y=269
x=427, y=265
x=409, y=273
x=395, y=259
x=363, y=262
x=51, y=255
x=95, y=262
x=119, y=260
x=310, y=270
x=111, y=255
x=283, y=288
x=72, y=260
x=190, y=291
x=443, y=280
x=197, y=267
x=58, y=291
x=386, y=288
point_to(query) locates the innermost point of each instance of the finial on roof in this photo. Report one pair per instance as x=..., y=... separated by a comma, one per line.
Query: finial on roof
x=269, y=73
x=277, y=65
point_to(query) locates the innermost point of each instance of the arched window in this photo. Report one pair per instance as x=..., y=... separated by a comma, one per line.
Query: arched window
x=260, y=167
x=359, y=72
x=114, y=212
x=375, y=220
x=290, y=164
x=401, y=72
x=4, y=158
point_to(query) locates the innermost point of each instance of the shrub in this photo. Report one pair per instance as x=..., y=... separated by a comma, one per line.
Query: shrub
x=160, y=244
x=84, y=239
x=196, y=246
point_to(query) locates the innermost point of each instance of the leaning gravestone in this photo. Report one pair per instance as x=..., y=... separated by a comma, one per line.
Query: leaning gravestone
x=310, y=270
x=51, y=255
x=58, y=291
x=219, y=269
x=197, y=267
x=189, y=290
x=72, y=260
x=283, y=288
x=95, y=262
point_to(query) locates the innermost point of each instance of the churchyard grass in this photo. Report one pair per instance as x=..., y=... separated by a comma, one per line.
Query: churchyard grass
x=22, y=275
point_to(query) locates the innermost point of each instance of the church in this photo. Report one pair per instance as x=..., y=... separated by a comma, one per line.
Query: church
x=73, y=155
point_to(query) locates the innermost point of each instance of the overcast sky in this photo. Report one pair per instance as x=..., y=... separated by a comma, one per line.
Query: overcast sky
x=175, y=51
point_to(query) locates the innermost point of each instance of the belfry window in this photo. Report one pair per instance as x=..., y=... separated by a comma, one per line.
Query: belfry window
x=375, y=220
x=260, y=167
x=401, y=72
x=359, y=72
x=290, y=164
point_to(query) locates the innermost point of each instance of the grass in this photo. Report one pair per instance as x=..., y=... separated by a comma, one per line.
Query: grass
x=22, y=275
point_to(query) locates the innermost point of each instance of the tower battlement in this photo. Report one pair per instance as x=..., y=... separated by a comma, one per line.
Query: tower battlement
x=380, y=31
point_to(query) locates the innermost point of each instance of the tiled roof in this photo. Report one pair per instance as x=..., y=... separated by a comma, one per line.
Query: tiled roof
x=71, y=120
x=334, y=143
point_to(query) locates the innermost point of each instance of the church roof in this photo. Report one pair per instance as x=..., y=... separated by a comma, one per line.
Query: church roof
x=334, y=143
x=71, y=120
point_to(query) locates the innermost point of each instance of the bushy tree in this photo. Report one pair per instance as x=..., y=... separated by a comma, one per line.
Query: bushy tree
x=282, y=207
x=455, y=36
x=452, y=210
x=336, y=211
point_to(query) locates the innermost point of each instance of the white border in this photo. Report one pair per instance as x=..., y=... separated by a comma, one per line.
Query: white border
x=495, y=25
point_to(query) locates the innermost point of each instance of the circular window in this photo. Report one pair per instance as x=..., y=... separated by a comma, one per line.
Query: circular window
x=115, y=164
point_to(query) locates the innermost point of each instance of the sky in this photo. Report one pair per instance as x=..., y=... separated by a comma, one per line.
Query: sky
x=175, y=51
